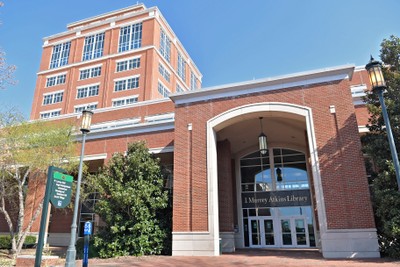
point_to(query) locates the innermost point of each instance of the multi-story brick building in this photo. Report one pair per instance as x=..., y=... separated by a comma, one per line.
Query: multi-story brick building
x=307, y=189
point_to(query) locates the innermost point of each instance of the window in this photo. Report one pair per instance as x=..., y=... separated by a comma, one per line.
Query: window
x=165, y=46
x=90, y=73
x=50, y=114
x=79, y=109
x=163, y=90
x=53, y=98
x=124, y=101
x=93, y=48
x=126, y=84
x=55, y=80
x=60, y=55
x=163, y=71
x=179, y=88
x=128, y=64
x=287, y=172
x=193, y=81
x=87, y=91
x=181, y=67
x=130, y=37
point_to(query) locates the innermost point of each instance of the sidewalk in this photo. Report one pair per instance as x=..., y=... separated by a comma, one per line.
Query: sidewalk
x=275, y=258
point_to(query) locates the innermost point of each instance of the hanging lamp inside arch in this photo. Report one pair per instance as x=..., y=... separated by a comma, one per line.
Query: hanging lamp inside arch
x=262, y=140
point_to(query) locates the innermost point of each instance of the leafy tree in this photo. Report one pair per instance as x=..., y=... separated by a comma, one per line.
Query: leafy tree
x=26, y=151
x=386, y=197
x=132, y=197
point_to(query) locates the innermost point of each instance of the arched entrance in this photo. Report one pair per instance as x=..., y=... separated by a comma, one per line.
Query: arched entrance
x=272, y=210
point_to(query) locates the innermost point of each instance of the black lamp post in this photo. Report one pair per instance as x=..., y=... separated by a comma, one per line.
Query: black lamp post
x=377, y=80
x=85, y=128
x=262, y=140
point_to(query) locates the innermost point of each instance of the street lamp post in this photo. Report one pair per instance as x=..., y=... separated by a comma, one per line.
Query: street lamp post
x=71, y=252
x=377, y=80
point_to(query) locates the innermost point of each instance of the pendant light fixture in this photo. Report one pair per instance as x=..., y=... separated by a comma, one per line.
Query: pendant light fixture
x=262, y=140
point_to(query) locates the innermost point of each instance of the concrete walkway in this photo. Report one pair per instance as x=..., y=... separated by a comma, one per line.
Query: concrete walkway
x=275, y=258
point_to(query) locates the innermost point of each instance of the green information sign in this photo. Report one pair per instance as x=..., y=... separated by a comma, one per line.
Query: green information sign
x=61, y=190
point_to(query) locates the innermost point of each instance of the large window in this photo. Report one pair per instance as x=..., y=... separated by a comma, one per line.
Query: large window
x=55, y=80
x=128, y=64
x=50, y=114
x=80, y=108
x=287, y=170
x=53, y=98
x=87, y=91
x=124, y=101
x=89, y=73
x=163, y=71
x=130, y=37
x=126, y=84
x=93, y=48
x=60, y=55
x=179, y=88
x=193, y=81
x=181, y=67
x=163, y=90
x=165, y=46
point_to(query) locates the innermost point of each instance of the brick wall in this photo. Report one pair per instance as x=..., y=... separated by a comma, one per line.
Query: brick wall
x=343, y=175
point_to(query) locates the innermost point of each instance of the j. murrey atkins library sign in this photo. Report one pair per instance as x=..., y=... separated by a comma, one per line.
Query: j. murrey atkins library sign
x=276, y=199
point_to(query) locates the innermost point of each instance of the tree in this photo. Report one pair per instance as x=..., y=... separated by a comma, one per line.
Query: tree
x=6, y=71
x=386, y=197
x=26, y=151
x=132, y=196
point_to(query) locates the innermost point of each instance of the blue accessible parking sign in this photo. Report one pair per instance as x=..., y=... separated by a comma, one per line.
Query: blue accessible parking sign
x=87, y=230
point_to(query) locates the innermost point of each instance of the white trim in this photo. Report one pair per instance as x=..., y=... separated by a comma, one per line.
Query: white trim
x=49, y=111
x=127, y=58
x=53, y=93
x=57, y=74
x=124, y=98
x=363, y=129
x=158, y=117
x=87, y=85
x=212, y=170
x=158, y=150
x=132, y=129
x=266, y=84
x=91, y=67
x=109, y=109
x=126, y=78
x=95, y=157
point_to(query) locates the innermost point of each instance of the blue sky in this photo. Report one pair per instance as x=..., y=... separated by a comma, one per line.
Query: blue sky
x=229, y=40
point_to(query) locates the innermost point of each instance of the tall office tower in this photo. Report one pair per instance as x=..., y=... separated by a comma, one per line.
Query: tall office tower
x=110, y=62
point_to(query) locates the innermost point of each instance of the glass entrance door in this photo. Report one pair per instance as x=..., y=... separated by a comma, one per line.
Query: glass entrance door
x=262, y=233
x=278, y=232
x=294, y=232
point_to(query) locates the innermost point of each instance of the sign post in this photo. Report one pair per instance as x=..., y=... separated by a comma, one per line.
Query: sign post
x=87, y=231
x=58, y=190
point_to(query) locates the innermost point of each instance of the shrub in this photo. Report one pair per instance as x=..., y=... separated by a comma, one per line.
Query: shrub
x=5, y=242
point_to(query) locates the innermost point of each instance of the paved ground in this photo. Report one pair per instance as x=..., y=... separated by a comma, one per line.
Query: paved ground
x=292, y=258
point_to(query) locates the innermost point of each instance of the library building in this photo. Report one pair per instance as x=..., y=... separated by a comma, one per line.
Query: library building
x=268, y=163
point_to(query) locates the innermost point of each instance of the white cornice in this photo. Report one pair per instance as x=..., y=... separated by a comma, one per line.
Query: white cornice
x=108, y=14
x=108, y=109
x=131, y=130
x=267, y=84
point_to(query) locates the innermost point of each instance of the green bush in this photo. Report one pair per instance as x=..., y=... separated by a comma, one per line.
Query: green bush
x=93, y=251
x=5, y=241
